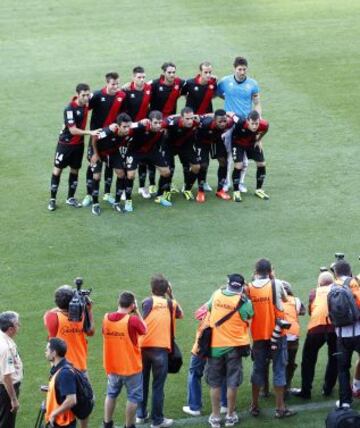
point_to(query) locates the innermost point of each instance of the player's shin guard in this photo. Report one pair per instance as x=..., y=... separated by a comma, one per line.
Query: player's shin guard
x=164, y=185
x=54, y=185
x=89, y=180
x=73, y=182
x=152, y=173
x=236, y=179
x=129, y=187
x=245, y=163
x=202, y=178
x=222, y=173
x=95, y=191
x=108, y=176
x=119, y=188
x=260, y=176
x=142, y=174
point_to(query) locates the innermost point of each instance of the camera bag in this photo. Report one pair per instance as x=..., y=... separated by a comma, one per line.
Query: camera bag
x=175, y=359
x=343, y=418
x=343, y=310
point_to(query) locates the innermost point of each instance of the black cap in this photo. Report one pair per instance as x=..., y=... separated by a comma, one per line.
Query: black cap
x=235, y=282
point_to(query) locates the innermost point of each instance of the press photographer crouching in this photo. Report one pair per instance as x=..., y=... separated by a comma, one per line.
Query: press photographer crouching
x=72, y=320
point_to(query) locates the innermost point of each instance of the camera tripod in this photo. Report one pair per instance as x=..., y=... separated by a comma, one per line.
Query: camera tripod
x=40, y=417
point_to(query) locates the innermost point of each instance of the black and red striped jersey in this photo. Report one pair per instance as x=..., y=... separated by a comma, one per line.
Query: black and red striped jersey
x=208, y=132
x=74, y=116
x=105, y=107
x=199, y=97
x=137, y=101
x=178, y=134
x=164, y=97
x=144, y=140
x=244, y=137
x=109, y=142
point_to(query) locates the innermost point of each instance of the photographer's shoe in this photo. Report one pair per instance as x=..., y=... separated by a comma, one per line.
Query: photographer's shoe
x=214, y=422
x=297, y=392
x=188, y=411
x=231, y=420
x=166, y=423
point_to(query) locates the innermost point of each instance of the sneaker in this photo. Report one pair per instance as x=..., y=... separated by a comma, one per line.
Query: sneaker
x=261, y=194
x=96, y=210
x=207, y=187
x=109, y=198
x=297, y=392
x=188, y=411
x=52, y=205
x=188, y=195
x=118, y=208
x=237, y=196
x=73, y=202
x=152, y=189
x=143, y=191
x=343, y=405
x=167, y=196
x=142, y=420
x=164, y=424
x=174, y=189
x=128, y=206
x=231, y=420
x=200, y=197
x=223, y=195
x=87, y=201
x=284, y=413
x=223, y=410
x=226, y=187
x=214, y=422
x=162, y=201
x=123, y=196
x=243, y=188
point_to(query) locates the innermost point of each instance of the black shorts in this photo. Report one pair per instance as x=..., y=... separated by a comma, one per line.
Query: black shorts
x=186, y=153
x=214, y=150
x=69, y=155
x=113, y=161
x=253, y=153
x=157, y=157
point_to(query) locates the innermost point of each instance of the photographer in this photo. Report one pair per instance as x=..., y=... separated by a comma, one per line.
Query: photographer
x=265, y=293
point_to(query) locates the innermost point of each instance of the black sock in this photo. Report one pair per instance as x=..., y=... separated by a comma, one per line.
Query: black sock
x=142, y=174
x=119, y=189
x=260, y=176
x=89, y=180
x=152, y=173
x=108, y=176
x=222, y=173
x=202, y=178
x=72, y=184
x=164, y=185
x=95, y=191
x=236, y=179
x=190, y=180
x=54, y=185
x=128, y=188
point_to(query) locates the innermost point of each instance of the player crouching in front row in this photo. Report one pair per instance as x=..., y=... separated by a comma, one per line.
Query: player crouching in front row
x=246, y=139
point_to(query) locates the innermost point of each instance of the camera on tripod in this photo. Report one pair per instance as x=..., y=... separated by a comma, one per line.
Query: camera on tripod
x=78, y=306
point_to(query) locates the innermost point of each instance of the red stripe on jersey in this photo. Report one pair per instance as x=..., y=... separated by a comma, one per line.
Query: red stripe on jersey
x=173, y=96
x=149, y=145
x=209, y=94
x=79, y=139
x=142, y=113
x=115, y=108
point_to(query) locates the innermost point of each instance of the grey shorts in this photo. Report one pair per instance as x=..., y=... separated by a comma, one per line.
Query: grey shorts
x=228, y=367
x=133, y=385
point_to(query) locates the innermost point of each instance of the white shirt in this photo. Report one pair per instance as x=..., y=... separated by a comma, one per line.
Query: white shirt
x=10, y=361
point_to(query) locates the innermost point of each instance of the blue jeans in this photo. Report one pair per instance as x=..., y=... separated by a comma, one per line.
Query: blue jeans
x=196, y=371
x=155, y=360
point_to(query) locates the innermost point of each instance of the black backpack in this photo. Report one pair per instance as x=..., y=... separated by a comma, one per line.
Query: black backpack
x=343, y=418
x=342, y=307
x=84, y=394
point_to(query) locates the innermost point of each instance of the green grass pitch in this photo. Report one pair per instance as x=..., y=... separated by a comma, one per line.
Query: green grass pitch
x=305, y=57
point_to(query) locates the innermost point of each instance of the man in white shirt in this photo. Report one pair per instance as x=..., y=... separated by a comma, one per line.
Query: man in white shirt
x=11, y=369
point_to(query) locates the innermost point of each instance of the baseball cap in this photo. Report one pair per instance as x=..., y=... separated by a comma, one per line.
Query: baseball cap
x=235, y=282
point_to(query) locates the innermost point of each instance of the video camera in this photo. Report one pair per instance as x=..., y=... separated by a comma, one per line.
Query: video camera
x=78, y=306
x=338, y=256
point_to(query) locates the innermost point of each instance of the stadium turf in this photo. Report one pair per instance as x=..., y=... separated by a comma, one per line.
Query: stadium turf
x=305, y=57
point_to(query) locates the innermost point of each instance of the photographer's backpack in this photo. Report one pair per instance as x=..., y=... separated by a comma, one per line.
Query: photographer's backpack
x=84, y=394
x=343, y=310
x=343, y=418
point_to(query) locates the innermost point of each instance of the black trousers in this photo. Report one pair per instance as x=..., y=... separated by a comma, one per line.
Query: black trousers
x=346, y=347
x=7, y=419
x=313, y=343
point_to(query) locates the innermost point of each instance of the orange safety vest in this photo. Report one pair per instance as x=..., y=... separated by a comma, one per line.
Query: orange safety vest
x=73, y=334
x=234, y=331
x=158, y=325
x=204, y=323
x=265, y=312
x=64, y=418
x=319, y=313
x=120, y=355
x=292, y=316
